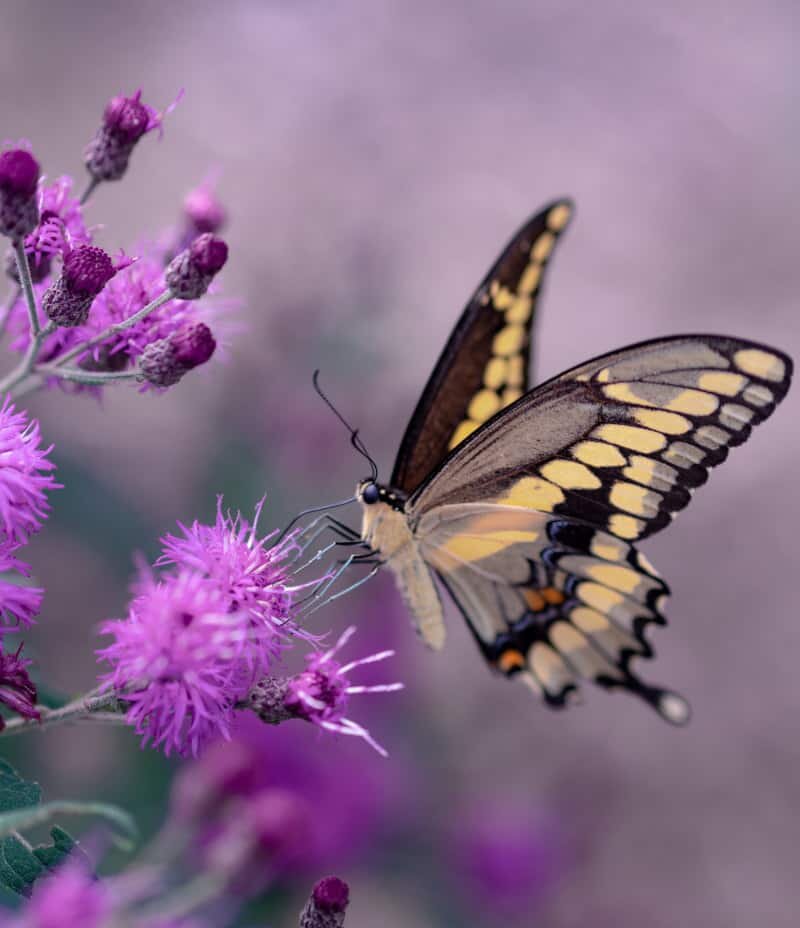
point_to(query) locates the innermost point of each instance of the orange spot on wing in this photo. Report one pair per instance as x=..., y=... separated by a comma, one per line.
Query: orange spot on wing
x=553, y=596
x=536, y=602
x=511, y=660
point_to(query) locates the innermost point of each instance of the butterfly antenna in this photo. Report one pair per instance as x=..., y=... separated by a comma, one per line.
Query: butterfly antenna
x=355, y=438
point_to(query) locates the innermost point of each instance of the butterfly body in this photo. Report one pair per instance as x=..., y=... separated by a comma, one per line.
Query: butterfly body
x=528, y=505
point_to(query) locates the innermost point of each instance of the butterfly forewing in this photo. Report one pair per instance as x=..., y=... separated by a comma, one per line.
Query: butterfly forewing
x=484, y=366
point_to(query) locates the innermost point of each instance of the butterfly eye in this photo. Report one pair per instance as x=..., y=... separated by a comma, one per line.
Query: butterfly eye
x=370, y=494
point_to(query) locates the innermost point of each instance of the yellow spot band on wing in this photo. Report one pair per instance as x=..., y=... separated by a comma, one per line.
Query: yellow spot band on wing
x=520, y=309
x=625, y=526
x=484, y=404
x=533, y=493
x=464, y=430
x=632, y=498
x=760, y=363
x=624, y=579
x=530, y=279
x=495, y=373
x=516, y=371
x=477, y=547
x=723, y=382
x=669, y=422
x=542, y=247
x=599, y=454
x=558, y=217
x=570, y=475
x=631, y=436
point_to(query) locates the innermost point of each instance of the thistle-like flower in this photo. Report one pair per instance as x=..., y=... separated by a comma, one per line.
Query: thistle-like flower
x=165, y=362
x=25, y=475
x=19, y=179
x=190, y=273
x=86, y=271
x=17, y=690
x=18, y=603
x=321, y=693
x=125, y=121
x=181, y=660
x=252, y=572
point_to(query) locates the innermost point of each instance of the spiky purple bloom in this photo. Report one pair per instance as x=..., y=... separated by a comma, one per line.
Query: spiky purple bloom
x=181, y=660
x=61, y=228
x=165, y=362
x=190, y=273
x=17, y=690
x=327, y=904
x=252, y=571
x=25, y=475
x=125, y=121
x=19, y=178
x=321, y=693
x=19, y=604
x=86, y=270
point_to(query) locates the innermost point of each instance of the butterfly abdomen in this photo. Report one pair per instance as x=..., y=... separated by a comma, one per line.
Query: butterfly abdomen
x=386, y=530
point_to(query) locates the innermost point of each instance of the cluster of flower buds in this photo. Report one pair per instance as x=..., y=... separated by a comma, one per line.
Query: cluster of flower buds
x=19, y=182
x=125, y=121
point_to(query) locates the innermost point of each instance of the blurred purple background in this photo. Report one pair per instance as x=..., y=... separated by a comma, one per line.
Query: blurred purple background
x=375, y=157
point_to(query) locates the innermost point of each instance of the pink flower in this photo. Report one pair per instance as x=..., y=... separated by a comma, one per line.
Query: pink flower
x=71, y=896
x=18, y=603
x=253, y=572
x=181, y=660
x=25, y=475
x=320, y=693
x=17, y=690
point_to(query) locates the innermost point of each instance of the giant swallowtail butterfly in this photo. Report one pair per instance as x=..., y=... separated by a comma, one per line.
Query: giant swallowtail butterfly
x=528, y=504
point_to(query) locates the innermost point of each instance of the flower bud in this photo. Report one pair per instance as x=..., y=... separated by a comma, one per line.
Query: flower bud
x=204, y=212
x=189, y=274
x=164, y=363
x=125, y=121
x=17, y=690
x=86, y=271
x=19, y=178
x=327, y=905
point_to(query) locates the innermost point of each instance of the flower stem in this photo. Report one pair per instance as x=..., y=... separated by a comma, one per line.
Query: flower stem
x=27, y=364
x=27, y=285
x=113, y=329
x=85, y=377
x=93, y=184
x=92, y=706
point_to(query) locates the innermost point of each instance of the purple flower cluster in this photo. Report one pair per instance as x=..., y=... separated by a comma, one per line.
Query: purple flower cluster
x=202, y=630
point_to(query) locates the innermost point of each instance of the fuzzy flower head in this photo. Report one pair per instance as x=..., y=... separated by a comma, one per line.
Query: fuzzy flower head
x=86, y=271
x=190, y=273
x=25, y=475
x=164, y=363
x=320, y=693
x=181, y=660
x=254, y=572
x=17, y=690
x=19, y=179
x=19, y=603
x=327, y=904
x=125, y=121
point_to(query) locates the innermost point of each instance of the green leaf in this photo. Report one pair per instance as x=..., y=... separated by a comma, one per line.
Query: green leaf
x=51, y=855
x=18, y=866
x=16, y=793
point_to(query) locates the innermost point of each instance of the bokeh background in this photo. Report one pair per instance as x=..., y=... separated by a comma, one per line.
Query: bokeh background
x=374, y=157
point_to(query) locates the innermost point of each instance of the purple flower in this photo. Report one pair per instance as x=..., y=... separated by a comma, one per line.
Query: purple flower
x=125, y=121
x=86, y=271
x=61, y=227
x=19, y=178
x=165, y=362
x=181, y=660
x=320, y=693
x=18, y=603
x=190, y=273
x=327, y=905
x=509, y=857
x=70, y=896
x=252, y=571
x=25, y=475
x=17, y=690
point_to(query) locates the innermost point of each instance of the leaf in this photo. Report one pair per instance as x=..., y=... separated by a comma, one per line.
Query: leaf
x=51, y=855
x=16, y=793
x=18, y=866
x=20, y=819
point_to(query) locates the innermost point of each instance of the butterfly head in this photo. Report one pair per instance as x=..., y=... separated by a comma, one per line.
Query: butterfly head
x=370, y=493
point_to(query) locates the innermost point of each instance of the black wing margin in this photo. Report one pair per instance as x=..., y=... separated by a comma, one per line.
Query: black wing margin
x=484, y=366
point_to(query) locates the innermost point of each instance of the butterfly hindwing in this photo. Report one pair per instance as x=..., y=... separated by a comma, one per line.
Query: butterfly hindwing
x=550, y=601
x=619, y=442
x=484, y=366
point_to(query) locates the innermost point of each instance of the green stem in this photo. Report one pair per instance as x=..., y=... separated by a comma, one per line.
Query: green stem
x=27, y=284
x=85, y=377
x=92, y=706
x=114, y=329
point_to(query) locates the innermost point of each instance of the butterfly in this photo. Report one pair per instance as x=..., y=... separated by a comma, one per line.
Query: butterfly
x=528, y=504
